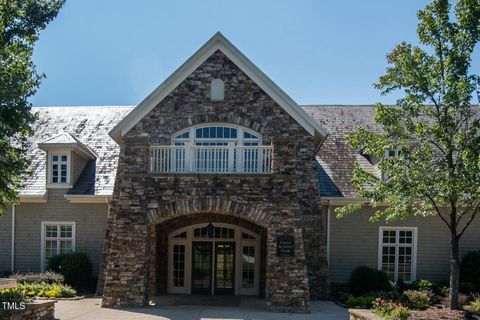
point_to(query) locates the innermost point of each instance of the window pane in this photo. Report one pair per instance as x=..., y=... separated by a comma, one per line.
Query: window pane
x=65, y=246
x=50, y=248
x=66, y=231
x=220, y=132
x=55, y=158
x=64, y=158
x=51, y=231
x=234, y=133
x=389, y=236
x=248, y=267
x=226, y=133
x=388, y=261
x=178, y=265
x=405, y=236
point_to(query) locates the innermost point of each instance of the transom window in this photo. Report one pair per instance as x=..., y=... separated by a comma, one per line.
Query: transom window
x=59, y=168
x=218, y=232
x=217, y=135
x=397, y=252
x=57, y=238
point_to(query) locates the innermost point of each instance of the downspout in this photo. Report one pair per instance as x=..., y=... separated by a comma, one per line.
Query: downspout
x=328, y=233
x=12, y=255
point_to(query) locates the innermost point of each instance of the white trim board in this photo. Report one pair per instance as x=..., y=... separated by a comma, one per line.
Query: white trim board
x=219, y=42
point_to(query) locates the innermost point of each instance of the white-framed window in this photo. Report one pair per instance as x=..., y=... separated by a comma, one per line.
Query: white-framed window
x=217, y=134
x=57, y=238
x=397, y=252
x=59, y=168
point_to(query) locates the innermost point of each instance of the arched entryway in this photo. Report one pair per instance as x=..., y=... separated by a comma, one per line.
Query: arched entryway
x=209, y=254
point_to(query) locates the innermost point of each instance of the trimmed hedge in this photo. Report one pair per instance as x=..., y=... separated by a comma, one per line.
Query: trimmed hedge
x=75, y=267
x=365, y=280
x=470, y=271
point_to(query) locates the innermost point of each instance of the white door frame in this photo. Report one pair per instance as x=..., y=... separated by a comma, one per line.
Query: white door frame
x=239, y=244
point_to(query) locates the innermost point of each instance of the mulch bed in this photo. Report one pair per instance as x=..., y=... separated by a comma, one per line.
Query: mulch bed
x=443, y=314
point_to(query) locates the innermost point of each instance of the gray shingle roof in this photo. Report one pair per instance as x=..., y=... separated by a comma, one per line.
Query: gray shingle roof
x=336, y=156
x=90, y=126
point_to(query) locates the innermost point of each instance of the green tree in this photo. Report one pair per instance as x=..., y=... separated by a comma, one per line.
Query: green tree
x=434, y=126
x=20, y=24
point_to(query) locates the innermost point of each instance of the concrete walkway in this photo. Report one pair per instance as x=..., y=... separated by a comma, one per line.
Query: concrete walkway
x=249, y=309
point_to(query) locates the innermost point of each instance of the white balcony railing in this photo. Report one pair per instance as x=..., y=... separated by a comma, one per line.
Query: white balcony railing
x=211, y=159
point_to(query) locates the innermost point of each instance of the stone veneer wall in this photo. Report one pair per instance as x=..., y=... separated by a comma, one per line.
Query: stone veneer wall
x=284, y=202
x=39, y=310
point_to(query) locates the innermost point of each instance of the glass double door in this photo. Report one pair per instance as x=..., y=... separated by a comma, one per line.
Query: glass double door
x=213, y=268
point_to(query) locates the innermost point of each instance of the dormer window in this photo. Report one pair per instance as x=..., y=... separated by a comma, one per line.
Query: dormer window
x=60, y=168
x=217, y=90
x=393, y=153
x=66, y=158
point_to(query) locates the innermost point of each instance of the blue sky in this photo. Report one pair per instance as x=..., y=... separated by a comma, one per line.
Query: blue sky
x=106, y=52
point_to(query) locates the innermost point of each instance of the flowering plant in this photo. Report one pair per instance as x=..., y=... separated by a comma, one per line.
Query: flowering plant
x=390, y=310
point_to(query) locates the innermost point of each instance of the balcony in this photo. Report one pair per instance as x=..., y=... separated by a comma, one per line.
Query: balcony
x=228, y=158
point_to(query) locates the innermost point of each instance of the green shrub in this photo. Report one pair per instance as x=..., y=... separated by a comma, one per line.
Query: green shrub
x=37, y=277
x=423, y=285
x=50, y=290
x=53, y=263
x=467, y=287
x=363, y=302
x=75, y=267
x=365, y=280
x=390, y=310
x=418, y=299
x=470, y=270
x=13, y=295
x=474, y=305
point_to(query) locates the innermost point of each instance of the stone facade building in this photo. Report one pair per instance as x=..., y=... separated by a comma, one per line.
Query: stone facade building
x=270, y=187
x=217, y=183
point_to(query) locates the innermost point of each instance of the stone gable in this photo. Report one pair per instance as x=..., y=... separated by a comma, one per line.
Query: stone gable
x=283, y=202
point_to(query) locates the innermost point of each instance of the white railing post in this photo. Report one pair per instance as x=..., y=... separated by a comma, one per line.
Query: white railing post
x=188, y=157
x=211, y=159
x=231, y=157
x=260, y=166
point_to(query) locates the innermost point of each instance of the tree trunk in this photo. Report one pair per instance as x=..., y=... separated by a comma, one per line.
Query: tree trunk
x=454, y=271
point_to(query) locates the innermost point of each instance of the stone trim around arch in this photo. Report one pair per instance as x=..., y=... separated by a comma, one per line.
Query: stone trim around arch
x=158, y=213
x=227, y=118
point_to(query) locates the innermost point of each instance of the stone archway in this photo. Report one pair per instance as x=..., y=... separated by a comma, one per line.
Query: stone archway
x=158, y=213
x=158, y=251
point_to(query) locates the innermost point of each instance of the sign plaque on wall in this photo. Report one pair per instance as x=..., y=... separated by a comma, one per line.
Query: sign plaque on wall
x=285, y=246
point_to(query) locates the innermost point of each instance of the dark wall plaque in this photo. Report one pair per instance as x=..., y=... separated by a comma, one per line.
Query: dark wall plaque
x=285, y=246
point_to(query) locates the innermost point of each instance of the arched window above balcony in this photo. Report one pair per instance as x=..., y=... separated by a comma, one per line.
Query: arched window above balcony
x=217, y=135
x=213, y=148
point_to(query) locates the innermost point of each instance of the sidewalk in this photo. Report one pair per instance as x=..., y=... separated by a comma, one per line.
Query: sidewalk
x=89, y=309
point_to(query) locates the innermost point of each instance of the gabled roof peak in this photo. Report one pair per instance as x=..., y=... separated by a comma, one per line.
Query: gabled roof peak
x=66, y=140
x=63, y=137
x=219, y=42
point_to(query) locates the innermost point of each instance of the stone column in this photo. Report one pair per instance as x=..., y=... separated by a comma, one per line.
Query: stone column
x=287, y=281
x=126, y=269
